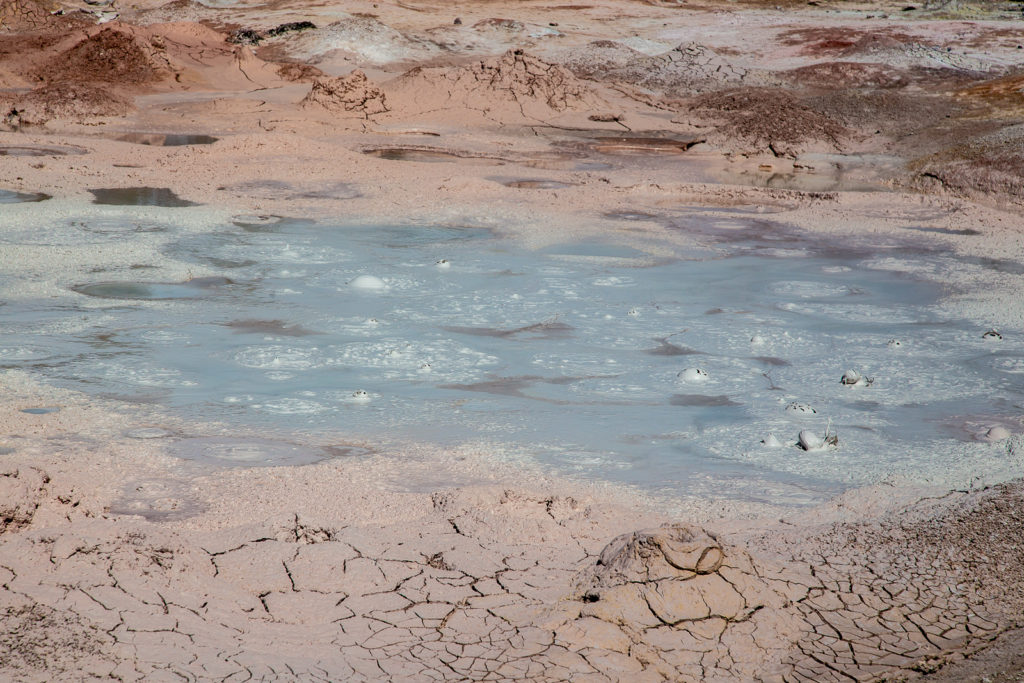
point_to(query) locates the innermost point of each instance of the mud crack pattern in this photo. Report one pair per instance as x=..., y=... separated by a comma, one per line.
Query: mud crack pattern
x=464, y=594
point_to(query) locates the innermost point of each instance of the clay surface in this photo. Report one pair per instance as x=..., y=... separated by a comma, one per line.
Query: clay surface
x=122, y=559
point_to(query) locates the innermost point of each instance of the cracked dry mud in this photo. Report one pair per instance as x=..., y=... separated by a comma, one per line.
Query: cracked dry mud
x=468, y=593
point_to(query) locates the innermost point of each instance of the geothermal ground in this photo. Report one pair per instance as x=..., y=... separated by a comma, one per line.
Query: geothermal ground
x=669, y=130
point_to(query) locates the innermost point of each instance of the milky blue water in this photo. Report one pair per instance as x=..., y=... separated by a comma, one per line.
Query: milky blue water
x=581, y=356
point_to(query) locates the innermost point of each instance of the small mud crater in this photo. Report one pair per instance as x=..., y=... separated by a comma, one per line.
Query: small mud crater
x=240, y=452
x=626, y=215
x=157, y=500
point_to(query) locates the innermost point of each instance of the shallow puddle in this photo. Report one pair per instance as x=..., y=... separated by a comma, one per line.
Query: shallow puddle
x=139, y=196
x=39, y=411
x=250, y=452
x=644, y=146
x=11, y=197
x=426, y=155
x=531, y=184
x=166, y=139
x=805, y=182
x=280, y=189
x=39, y=150
x=153, y=291
x=594, y=358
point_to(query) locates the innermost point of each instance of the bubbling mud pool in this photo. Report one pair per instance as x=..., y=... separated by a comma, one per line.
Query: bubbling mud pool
x=695, y=371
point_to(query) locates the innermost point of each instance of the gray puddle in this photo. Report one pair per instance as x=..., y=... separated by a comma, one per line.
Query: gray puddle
x=428, y=155
x=154, y=291
x=138, y=196
x=11, y=197
x=593, y=358
x=167, y=139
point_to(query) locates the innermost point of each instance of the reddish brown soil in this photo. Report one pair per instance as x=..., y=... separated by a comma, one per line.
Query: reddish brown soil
x=24, y=15
x=64, y=99
x=299, y=72
x=763, y=118
x=842, y=75
x=1005, y=95
x=110, y=56
x=843, y=40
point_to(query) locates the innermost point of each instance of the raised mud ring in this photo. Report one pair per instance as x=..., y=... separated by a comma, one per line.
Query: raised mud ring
x=685, y=602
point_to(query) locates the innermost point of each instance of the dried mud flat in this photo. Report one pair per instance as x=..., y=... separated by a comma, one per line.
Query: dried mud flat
x=120, y=561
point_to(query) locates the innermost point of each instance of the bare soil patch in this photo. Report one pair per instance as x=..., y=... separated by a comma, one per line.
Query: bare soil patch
x=109, y=56
x=761, y=119
x=845, y=40
x=64, y=100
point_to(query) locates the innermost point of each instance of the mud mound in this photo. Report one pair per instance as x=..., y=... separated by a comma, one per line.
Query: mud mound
x=362, y=39
x=64, y=100
x=759, y=119
x=353, y=94
x=109, y=56
x=680, y=593
x=513, y=87
x=596, y=60
x=496, y=24
x=292, y=71
x=891, y=47
x=682, y=71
